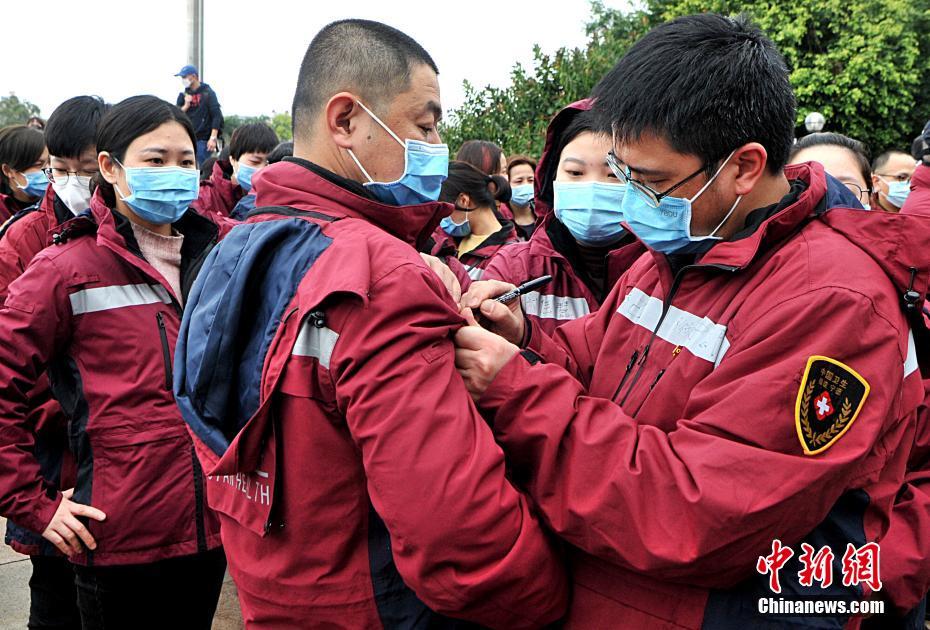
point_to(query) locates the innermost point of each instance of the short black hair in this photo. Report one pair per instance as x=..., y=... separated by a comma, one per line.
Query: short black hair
x=707, y=84
x=72, y=127
x=918, y=148
x=482, y=154
x=518, y=160
x=283, y=150
x=883, y=159
x=485, y=190
x=829, y=139
x=369, y=58
x=252, y=138
x=20, y=148
x=126, y=121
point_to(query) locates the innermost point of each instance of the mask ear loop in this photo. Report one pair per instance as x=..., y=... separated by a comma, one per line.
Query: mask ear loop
x=711, y=180
x=115, y=186
x=726, y=218
x=378, y=120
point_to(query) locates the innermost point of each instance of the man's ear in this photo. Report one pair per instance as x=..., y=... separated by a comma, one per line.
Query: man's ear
x=751, y=160
x=340, y=116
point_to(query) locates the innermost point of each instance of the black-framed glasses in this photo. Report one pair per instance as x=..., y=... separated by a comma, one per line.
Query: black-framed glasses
x=60, y=176
x=652, y=197
x=858, y=190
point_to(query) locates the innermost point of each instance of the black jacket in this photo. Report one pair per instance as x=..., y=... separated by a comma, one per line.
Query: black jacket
x=204, y=111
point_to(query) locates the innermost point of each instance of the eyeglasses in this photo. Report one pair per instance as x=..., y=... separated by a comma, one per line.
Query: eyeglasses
x=60, y=176
x=858, y=190
x=652, y=197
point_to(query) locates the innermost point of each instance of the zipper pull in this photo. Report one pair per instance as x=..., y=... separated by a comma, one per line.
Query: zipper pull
x=656, y=382
x=629, y=366
x=161, y=320
x=642, y=358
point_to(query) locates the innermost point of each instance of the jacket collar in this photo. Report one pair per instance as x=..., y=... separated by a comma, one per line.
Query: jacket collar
x=298, y=183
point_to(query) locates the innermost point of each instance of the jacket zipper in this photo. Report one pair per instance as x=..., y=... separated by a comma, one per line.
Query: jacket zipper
x=165, y=351
x=666, y=306
x=626, y=374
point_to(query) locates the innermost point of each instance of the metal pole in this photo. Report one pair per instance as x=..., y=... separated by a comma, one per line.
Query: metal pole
x=195, y=34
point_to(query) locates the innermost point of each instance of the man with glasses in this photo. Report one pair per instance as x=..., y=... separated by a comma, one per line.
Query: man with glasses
x=746, y=396
x=891, y=180
x=69, y=136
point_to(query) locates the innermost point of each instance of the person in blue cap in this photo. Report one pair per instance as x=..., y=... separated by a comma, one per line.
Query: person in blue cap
x=203, y=108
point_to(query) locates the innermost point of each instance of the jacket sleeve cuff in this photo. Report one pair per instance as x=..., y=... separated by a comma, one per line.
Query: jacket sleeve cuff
x=504, y=387
x=40, y=518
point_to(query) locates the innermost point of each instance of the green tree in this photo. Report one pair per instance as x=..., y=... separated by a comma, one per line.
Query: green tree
x=280, y=122
x=516, y=117
x=15, y=111
x=862, y=63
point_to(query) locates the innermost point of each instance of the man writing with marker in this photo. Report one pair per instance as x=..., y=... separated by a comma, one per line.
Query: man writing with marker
x=752, y=378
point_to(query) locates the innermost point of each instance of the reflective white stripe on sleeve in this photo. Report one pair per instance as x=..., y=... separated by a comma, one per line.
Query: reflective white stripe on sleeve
x=554, y=306
x=121, y=296
x=700, y=336
x=315, y=342
x=910, y=363
x=474, y=272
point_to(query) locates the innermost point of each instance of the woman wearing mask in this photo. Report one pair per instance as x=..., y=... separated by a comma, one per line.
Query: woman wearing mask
x=100, y=310
x=521, y=172
x=23, y=157
x=474, y=232
x=581, y=244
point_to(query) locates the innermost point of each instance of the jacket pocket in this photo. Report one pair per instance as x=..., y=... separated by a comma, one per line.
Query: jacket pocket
x=165, y=351
x=144, y=483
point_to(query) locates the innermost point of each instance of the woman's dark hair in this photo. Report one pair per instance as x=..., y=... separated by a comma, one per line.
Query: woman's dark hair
x=519, y=160
x=252, y=138
x=129, y=119
x=38, y=123
x=73, y=125
x=484, y=190
x=206, y=168
x=829, y=139
x=483, y=155
x=583, y=122
x=283, y=150
x=20, y=148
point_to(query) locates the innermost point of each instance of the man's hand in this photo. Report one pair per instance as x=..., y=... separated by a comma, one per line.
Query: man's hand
x=505, y=320
x=446, y=276
x=479, y=356
x=187, y=102
x=65, y=531
x=211, y=145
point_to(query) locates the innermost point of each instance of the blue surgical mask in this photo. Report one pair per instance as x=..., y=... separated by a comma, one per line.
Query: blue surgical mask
x=667, y=229
x=244, y=174
x=426, y=167
x=898, y=193
x=590, y=210
x=455, y=230
x=522, y=194
x=160, y=194
x=36, y=184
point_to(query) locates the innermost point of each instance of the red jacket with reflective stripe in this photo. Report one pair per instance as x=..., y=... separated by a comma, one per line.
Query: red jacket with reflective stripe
x=567, y=296
x=366, y=450
x=104, y=322
x=670, y=460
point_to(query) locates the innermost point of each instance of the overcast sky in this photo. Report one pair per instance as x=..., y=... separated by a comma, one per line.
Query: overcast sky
x=253, y=49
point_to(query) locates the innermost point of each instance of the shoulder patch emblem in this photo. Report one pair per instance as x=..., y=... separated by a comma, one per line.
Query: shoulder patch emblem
x=829, y=401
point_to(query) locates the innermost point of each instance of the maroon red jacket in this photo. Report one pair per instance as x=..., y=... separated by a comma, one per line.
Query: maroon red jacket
x=906, y=547
x=356, y=483
x=104, y=322
x=662, y=436
x=445, y=247
x=218, y=195
x=10, y=205
x=24, y=236
x=552, y=251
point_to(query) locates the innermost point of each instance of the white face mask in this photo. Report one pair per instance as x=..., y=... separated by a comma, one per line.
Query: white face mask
x=186, y=82
x=75, y=194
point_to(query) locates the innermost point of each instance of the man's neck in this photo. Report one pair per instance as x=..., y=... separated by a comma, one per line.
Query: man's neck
x=768, y=191
x=195, y=85
x=333, y=159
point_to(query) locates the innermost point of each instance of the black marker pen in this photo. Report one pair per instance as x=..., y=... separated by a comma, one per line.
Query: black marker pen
x=524, y=288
